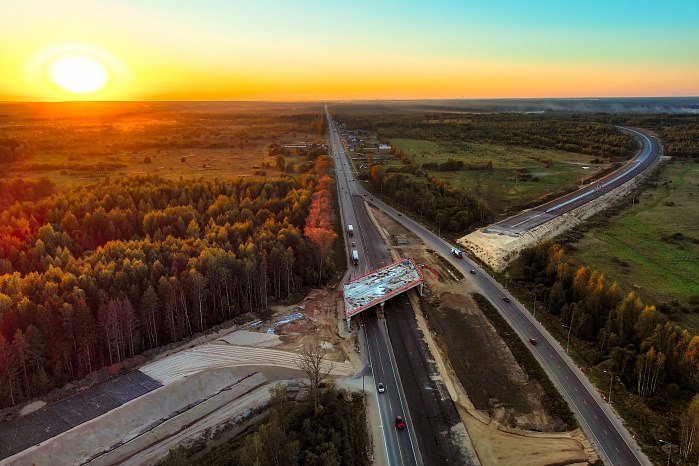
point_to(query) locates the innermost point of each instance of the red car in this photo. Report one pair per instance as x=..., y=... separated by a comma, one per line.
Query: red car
x=400, y=423
x=532, y=341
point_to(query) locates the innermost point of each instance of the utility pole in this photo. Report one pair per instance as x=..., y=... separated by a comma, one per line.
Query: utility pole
x=534, y=305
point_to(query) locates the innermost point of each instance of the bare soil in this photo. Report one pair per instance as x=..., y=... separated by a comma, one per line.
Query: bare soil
x=319, y=322
x=499, y=405
x=195, y=399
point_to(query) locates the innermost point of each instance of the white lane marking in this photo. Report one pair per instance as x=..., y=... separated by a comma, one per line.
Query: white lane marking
x=423, y=232
x=406, y=413
x=527, y=219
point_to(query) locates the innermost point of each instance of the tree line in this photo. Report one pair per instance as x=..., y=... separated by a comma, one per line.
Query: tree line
x=436, y=201
x=453, y=165
x=12, y=150
x=571, y=133
x=652, y=355
x=97, y=274
x=296, y=434
x=679, y=132
x=20, y=189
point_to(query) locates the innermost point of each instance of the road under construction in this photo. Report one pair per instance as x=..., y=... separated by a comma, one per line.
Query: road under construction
x=377, y=286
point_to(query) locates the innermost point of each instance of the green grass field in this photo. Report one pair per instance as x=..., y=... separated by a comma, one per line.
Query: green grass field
x=642, y=249
x=551, y=171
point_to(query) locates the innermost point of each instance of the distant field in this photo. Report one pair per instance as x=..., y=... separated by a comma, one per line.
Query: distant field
x=653, y=248
x=83, y=144
x=207, y=163
x=551, y=171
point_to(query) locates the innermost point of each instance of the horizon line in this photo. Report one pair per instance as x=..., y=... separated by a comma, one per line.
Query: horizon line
x=427, y=99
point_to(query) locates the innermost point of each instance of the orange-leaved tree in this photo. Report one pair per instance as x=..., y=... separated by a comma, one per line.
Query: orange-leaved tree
x=318, y=227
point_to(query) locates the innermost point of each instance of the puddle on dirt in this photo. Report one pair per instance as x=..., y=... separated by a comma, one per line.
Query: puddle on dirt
x=290, y=318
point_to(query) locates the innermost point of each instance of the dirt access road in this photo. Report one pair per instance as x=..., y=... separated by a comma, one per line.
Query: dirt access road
x=497, y=402
x=215, y=384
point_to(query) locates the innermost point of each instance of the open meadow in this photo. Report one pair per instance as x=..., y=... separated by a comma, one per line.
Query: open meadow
x=653, y=247
x=515, y=175
x=82, y=143
x=468, y=170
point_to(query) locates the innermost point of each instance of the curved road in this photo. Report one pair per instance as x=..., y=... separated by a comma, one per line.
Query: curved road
x=610, y=438
x=528, y=219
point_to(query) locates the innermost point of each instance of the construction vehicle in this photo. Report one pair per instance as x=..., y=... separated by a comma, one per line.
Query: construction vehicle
x=350, y=230
x=457, y=252
x=355, y=257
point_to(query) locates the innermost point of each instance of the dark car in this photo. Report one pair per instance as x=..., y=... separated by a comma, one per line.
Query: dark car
x=532, y=341
x=472, y=272
x=506, y=299
x=400, y=423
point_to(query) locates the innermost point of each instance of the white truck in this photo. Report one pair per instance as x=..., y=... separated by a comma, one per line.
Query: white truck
x=355, y=257
x=350, y=230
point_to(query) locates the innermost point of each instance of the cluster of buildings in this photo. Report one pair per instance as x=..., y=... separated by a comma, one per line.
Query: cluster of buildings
x=361, y=144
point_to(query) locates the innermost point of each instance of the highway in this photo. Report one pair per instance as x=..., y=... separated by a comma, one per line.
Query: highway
x=611, y=440
x=400, y=447
x=531, y=218
x=403, y=360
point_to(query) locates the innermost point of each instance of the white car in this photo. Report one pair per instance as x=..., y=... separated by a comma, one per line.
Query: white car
x=380, y=387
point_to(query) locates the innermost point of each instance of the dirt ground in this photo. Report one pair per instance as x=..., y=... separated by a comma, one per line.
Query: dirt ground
x=320, y=322
x=499, y=405
x=214, y=380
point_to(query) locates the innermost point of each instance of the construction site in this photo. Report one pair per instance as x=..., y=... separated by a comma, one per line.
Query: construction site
x=375, y=287
x=216, y=383
x=502, y=408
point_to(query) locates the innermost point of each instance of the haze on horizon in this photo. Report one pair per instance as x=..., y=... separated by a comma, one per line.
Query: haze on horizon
x=311, y=50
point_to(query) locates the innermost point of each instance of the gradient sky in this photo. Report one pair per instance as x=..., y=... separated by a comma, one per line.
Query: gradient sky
x=299, y=50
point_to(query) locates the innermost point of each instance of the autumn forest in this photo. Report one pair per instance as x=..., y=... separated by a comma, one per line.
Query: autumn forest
x=96, y=273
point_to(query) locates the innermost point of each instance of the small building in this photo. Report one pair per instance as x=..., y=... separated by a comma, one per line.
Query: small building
x=295, y=149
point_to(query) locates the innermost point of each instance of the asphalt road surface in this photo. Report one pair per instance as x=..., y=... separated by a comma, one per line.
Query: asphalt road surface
x=528, y=219
x=610, y=438
x=408, y=374
x=400, y=446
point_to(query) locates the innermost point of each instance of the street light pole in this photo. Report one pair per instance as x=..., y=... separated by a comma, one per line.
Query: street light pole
x=669, y=450
x=572, y=314
x=611, y=381
x=534, y=295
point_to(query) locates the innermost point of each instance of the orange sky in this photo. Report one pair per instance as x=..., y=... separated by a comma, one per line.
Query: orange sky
x=307, y=50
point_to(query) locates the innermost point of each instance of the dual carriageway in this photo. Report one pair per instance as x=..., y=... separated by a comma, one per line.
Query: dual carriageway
x=405, y=386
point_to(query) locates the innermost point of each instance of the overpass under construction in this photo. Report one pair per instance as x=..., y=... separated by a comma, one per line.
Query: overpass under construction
x=378, y=286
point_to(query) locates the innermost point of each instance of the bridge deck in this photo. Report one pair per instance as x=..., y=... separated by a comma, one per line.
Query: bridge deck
x=379, y=285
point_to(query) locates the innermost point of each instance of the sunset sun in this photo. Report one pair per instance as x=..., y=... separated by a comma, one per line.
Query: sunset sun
x=78, y=74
